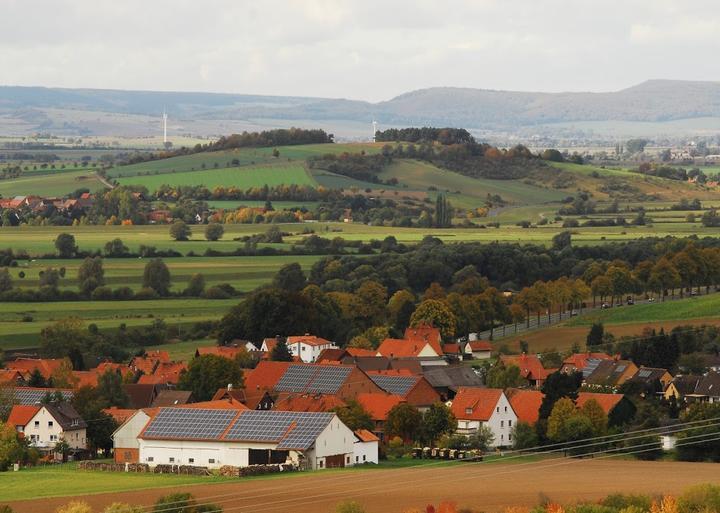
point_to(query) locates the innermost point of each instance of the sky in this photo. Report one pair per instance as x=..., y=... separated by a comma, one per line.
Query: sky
x=366, y=49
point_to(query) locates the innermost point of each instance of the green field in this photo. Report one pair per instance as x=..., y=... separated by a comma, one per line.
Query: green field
x=243, y=273
x=57, y=183
x=241, y=177
x=689, y=308
x=20, y=323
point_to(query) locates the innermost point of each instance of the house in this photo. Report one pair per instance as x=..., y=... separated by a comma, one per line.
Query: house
x=650, y=379
x=579, y=361
x=159, y=216
x=476, y=407
x=617, y=407
x=381, y=363
x=276, y=378
x=378, y=405
x=165, y=373
x=26, y=366
x=10, y=377
x=415, y=390
x=308, y=402
x=708, y=388
x=525, y=403
x=119, y=415
x=172, y=398
x=147, y=363
x=478, y=349
x=402, y=348
x=44, y=426
x=142, y=395
x=35, y=396
x=681, y=387
x=217, y=437
x=531, y=368
x=447, y=380
x=366, y=448
x=308, y=347
x=612, y=373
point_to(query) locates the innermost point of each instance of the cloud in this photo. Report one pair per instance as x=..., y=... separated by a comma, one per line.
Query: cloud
x=364, y=49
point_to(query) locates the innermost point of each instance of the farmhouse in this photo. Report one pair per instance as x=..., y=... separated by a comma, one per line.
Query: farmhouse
x=447, y=380
x=531, y=368
x=478, y=349
x=308, y=347
x=44, y=426
x=378, y=406
x=476, y=407
x=579, y=361
x=611, y=373
x=216, y=437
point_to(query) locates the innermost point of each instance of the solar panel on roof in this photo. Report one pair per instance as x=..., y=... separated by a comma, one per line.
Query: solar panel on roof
x=291, y=430
x=190, y=423
x=296, y=378
x=644, y=373
x=327, y=380
x=620, y=367
x=30, y=396
x=590, y=366
x=399, y=385
x=316, y=379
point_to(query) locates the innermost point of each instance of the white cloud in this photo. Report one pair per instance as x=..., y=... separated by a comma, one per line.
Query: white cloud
x=365, y=49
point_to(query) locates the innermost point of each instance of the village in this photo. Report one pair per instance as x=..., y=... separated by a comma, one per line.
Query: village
x=285, y=413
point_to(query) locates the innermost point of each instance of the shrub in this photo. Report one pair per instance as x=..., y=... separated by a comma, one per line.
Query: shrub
x=216, y=293
x=102, y=294
x=147, y=293
x=700, y=498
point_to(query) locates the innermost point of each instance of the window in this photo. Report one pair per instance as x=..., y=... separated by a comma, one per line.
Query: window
x=510, y=437
x=497, y=409
x=347, y=459
x=37, y=424
x=211, y=460
x=172, y=460
x=357, y=459
x=74, y=422
x=151, y=459
x=322, y=463
x=506, y=408
x=502, y=423
x=509, y=423
x=53, y=438
x=50, y=423
x=304, y=348
x=191, y=460
x=502, y=437
x=468, y=411
x=364, y=457
x=127, y=455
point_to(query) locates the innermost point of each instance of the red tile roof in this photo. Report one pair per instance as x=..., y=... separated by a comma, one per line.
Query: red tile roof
x=378, y=405
x=308, y=402
x=426, y=333
x=606, y=401
x=366, y=436
x=402, y=348
x=120, y=415
x=10, y=376
x=526, y=404
x=46, y=366
x=20, y=414
x=451, y=349
x=529, y=364
x=310, y=340
x=475, y=403
x=356, y=351
x=579, y=360
x=265, y=376
x=480, y=345
x=221, y=404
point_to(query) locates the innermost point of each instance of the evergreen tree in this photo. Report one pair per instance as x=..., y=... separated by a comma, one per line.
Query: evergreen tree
x=280, y=352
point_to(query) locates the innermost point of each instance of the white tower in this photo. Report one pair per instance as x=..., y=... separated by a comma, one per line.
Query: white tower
x=164, y=127
x=375, y=129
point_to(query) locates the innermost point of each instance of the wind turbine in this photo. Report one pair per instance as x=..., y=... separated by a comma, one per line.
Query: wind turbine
x=164, y=127
x=375, y=129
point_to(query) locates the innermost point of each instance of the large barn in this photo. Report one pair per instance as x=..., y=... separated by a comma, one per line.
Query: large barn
x=216, y=437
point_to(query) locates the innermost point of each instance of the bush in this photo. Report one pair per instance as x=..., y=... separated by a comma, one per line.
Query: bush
x=216, y=293
x=123, y=294
x=102, y=294
x=700, y=498
x=147, y=293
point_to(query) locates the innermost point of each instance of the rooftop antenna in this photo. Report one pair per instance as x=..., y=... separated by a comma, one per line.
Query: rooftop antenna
x=375, y=129
x=164, y=127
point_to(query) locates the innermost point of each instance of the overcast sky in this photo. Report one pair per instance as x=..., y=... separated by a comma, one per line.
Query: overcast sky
x=364, y=49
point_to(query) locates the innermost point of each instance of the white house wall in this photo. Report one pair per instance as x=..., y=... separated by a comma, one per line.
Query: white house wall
x=335, y=439
x=125, y=437
x=45, y=435
x=159, y=452
x=365, y=452
x=501, y=423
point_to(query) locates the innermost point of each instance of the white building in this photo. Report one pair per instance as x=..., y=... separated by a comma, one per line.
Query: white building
x=216, y=437
x=478, y=349
x=475, y=407
x=125, y=438
x=44, y=426
x=308, y=347
x=366, y=449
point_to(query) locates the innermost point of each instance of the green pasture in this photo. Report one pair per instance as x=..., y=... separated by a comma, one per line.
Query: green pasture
x=243, y=273
x=58, y=183
x=241, y=177
x=21, y=323
x=690, y=308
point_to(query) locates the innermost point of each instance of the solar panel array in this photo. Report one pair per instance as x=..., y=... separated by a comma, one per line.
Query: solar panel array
x=31, y=396
x=315, y=379
x=398, y=385
x=644, y=373
x=289, y=429
x=590, y=366
x=308, y=428
x=189, y=423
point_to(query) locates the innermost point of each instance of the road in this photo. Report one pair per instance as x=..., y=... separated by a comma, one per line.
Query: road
x=488, y=487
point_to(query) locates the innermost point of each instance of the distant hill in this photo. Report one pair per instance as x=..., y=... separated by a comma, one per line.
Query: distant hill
x=25, y=109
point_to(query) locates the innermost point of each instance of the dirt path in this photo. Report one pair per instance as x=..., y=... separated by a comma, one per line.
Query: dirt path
x=488, y=488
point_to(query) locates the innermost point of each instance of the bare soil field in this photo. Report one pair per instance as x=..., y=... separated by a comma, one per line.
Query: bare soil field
x=486, y=487
x=563, y=337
